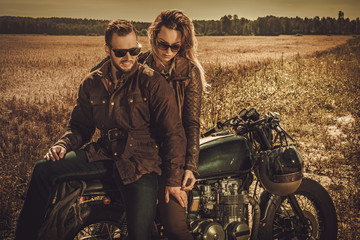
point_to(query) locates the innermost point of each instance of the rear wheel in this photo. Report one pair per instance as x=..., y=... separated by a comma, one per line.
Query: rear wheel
x=99, y=221
x=282, y=221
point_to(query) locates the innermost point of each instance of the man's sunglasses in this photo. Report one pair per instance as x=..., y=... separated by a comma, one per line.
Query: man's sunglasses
x=122, y=52
x=164, y=46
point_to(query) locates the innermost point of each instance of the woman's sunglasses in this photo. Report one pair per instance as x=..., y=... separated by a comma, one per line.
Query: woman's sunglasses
x=122, y=52
x=164, y=46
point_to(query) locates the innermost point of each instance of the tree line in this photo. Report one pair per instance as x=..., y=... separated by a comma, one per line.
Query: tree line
x=59, y=26
x=227, y=25
x=271, y=25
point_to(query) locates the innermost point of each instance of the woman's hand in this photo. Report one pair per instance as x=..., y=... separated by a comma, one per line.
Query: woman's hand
x=188, y=181
x=180, y=195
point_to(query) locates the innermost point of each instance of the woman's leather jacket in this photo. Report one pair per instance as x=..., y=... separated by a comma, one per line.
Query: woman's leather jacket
x=184, y=77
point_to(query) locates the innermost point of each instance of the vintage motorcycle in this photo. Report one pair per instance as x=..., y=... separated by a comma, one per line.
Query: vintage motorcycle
x=250, y=186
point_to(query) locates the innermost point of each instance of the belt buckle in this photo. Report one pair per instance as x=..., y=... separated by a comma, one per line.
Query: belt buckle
x=109, y=134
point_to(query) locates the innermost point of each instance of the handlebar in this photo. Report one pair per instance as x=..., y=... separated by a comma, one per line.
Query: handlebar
x=279, y=129
x=219, y=125
x=247, y=121
x=209, y=132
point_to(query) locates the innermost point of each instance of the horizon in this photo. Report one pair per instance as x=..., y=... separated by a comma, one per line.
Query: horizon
x=196, y=10
x=97, y=19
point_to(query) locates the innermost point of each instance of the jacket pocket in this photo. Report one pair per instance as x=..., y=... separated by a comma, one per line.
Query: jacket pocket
x=146, y=150
x=99, y=109
x=139, y=110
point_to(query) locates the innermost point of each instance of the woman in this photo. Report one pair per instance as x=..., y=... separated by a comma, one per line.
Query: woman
x=173, y=54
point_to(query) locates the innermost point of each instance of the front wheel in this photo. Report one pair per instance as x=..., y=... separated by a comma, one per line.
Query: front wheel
x=282, y=222
x=99, y=221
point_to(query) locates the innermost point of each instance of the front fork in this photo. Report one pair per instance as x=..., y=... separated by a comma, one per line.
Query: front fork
x=267, y=200
x=298, y=212
x=297, y=209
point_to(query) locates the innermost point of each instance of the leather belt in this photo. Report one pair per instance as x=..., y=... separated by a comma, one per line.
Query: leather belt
x=114, y=134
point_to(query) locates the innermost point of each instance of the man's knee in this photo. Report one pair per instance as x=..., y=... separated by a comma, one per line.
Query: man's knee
x=44, y=171
x=39, y=167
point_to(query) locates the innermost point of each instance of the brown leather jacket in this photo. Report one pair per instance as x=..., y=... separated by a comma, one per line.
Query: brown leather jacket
x=184, y=77
x=144, y=109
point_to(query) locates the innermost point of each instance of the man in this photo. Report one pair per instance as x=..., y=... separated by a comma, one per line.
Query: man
x=135, y=110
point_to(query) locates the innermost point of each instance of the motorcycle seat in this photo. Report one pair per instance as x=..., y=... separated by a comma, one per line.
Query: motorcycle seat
x=100, y=185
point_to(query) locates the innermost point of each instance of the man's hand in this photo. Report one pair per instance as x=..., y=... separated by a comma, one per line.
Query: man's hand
x=55, y=153
x=188, y=177
x=180, y=195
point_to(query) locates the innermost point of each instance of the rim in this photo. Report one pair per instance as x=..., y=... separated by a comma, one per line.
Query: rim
x=287, y=225
x=102, y=231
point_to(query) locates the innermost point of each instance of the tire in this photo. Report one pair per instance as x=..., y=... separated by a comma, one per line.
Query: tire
x=99, y=221
x=280, y=221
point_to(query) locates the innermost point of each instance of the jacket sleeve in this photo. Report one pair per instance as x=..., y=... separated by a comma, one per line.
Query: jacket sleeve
x=81, y=126
x=165, y=115
x=191, y=119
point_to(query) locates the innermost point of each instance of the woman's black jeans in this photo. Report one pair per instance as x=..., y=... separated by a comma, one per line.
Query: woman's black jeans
x=139, y=197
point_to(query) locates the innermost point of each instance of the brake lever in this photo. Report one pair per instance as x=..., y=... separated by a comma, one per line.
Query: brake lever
x=280, y=130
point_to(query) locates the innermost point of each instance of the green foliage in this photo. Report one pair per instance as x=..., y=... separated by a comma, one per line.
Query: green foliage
x=273, y=26
x=58, y=26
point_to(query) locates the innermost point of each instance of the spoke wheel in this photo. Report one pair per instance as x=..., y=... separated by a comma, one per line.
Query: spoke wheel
x=100, y=231
x=100, y=222
x=280, y=220
x=288, y=226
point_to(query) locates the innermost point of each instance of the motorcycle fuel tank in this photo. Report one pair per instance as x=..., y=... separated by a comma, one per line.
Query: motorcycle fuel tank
x=223, y=155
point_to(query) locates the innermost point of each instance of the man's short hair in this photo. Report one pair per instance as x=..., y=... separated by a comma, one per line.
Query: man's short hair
x=120, y=27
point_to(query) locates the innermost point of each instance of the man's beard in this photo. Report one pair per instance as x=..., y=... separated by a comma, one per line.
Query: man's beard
x=117, y=66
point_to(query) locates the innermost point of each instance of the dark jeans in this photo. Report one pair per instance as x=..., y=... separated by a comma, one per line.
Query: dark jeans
x=139, y=197
x=140, y=204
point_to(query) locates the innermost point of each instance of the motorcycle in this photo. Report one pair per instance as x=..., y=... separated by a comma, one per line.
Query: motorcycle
x=250, y=186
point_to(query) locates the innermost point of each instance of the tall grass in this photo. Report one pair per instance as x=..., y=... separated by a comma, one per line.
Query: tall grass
x=317, y=97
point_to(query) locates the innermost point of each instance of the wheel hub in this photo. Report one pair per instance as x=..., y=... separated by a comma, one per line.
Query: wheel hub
x=294, y=229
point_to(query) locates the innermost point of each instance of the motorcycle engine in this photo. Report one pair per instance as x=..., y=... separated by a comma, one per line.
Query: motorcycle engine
x=218, y=208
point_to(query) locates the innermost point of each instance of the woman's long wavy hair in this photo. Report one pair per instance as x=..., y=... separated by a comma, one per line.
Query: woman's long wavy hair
x=176, y=20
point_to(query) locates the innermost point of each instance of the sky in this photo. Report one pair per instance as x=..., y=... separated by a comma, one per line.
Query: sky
x=147, y=10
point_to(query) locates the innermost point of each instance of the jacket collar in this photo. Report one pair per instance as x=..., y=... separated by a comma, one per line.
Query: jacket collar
x=179, y=69
x=105, y=73
x=105, y=70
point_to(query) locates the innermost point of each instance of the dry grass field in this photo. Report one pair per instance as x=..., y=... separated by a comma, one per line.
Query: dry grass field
x=312, y=81
x=232, y=50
